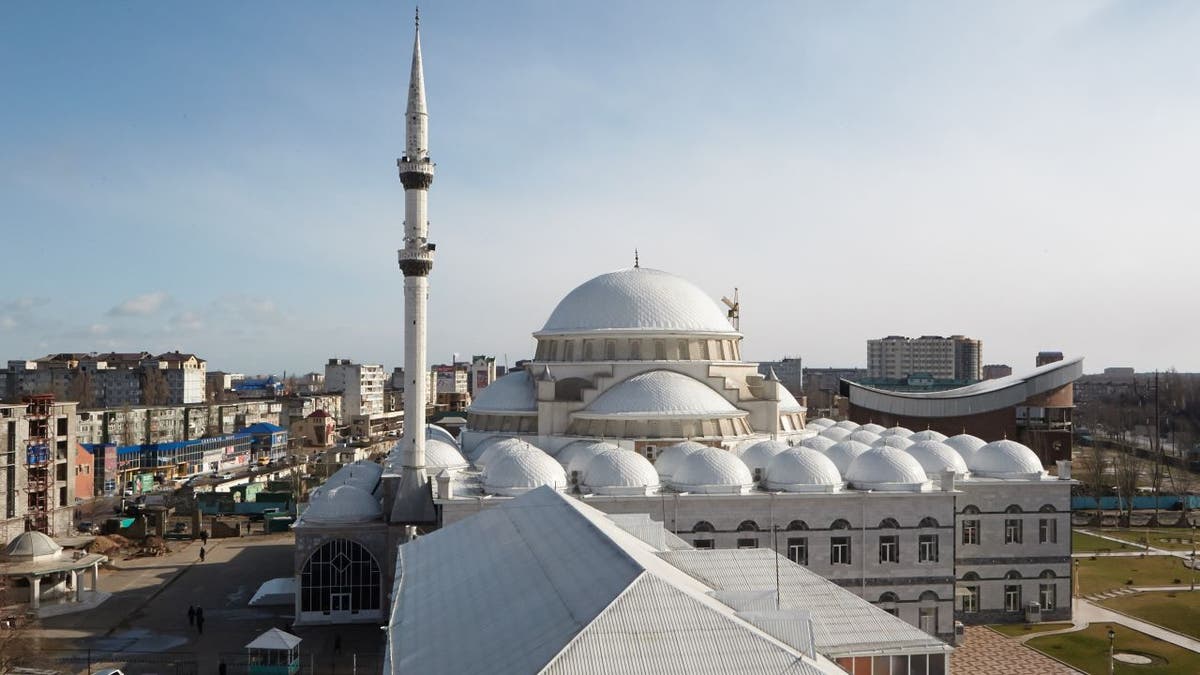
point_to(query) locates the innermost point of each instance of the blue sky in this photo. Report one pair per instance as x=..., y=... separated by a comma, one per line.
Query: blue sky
x=220, y=177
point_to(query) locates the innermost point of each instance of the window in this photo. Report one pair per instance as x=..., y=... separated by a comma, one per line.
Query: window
x=927, y=619
x=569, y=350
x=889, y=549
x=748, y=542
x=1012, y=530
x=340, y=575
x=587, y=350
x=970, y=601
x=610, y=350
x=747, y=526
x=1047, y=596
x=928, y=522
x=1047, y=531
x=970, y=532
x=703, y=543
x=839, y=550
x=635, y=350
x=703, y=526
x=927, y=548
x=887, y=602
x=553, y=352
x=683, y=350
x=797, y=550
x=660, y=350
x=1012, y=597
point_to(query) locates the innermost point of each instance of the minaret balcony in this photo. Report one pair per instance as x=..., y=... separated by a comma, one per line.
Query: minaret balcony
x=415, y=261
x=415, y=175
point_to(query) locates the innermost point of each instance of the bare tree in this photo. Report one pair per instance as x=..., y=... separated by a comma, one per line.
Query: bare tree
x=80, y=388
x=1091, y=471
x=154, y=387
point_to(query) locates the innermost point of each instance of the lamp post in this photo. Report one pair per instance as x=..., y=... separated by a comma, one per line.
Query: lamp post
x=1112, y=636
x=1193, y=565
x=1075, y=580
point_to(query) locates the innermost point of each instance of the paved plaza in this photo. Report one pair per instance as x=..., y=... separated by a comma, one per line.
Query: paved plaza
x=986, y=652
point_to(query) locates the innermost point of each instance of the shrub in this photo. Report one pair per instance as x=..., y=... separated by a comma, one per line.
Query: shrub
x=1129, y=582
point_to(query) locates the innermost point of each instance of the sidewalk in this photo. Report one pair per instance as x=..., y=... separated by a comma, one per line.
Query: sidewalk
x=1084, y=613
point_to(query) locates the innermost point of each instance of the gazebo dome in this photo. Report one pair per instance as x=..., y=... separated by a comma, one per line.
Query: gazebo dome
x=927, y=435
x=803, y=470
x=442, y=455
x=818, y=443
x=30, y=546
x=500, y=448
x=759, y=455
x=712, y=471
x=619, y=471
x=842, y=454
x=342, y=504
x=936, y=457
x=966, y=445
x=516, y=473
x=873, y=428
x=888, y=470
x=903, y=432
x=836, y=434
x=672, y=456
x=1006, y=459
x=513, y=393
x=576, y=455
x=863, y=436
x=820, y=423
x=898, y=442
x=637, y=299
x=848, y=425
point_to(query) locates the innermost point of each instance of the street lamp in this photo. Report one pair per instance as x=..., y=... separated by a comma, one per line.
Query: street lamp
x=1075, y=592
x=1193, y=565
x=1112, y=636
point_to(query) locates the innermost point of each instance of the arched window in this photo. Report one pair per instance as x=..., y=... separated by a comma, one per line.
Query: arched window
x=703, y=526
x=1012, y=574
x=928, y=522
x=970, y=509
x=1047, y=508
x=971, y=576
x=929, y=596
x=889, y=524
x=340, y=576
x=1047, y=574
x=748, y=526
x=796, y=525
x=840, y=524
x=1013, y=508
x=888, y=597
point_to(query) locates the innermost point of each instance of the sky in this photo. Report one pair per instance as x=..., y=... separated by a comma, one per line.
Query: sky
x=220, y=178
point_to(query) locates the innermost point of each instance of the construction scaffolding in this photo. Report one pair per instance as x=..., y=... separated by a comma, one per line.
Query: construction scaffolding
x=39, y=482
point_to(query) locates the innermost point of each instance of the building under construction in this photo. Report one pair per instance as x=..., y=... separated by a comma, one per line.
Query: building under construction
x=37, y=465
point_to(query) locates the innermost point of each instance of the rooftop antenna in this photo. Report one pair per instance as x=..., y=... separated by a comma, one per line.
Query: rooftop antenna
x=735, y=310
x=636, y=262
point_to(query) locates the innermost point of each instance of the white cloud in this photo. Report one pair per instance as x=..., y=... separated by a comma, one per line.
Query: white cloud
x=7, y=322
x=141, y=305
x=186, y=321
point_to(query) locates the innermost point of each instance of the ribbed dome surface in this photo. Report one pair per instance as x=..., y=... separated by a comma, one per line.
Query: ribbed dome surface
x=897, y=431
x=576, y=454
x=842, y=454
x=658, y=394
x=712, y=471
x=516, y=473
x=637, y=299
x=788, y=403
x=363, y=474
x=936, y=457
x=898, y=442
x=513, y=393
x=848, y=425
x=818, y=443
x=440, y=433
x=342, y=504
x=442, y=455
x=965, y=445
x=836, y=434
x=759, y=455
x=886, y=469
x=873, y=428
x=1005, y=459
x=863, y=436
x=501, y=447
x=620, y=472
x=672, y=456
x=820, y=423
x=803, y=470
x=927, y=435
x=29, y=546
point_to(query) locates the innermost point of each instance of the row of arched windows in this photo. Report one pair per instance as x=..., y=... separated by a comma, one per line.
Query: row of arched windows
x=890, y=597
x=800, y=525
x=971, y=509
x=1012, y=574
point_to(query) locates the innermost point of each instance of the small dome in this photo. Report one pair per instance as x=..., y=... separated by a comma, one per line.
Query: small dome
x=886, y=469
x=499, y=448
x=657, y=394
x=758, y=456
x=513, y=393
x=863, y=436
x=836, y=434
x=340, y=505
x=927, y=435
x=440, y=433
x=843, y=454
x=30, y=546
x=898, y=442
x=712, y=471
x=820, y=423
x=442, y=455
x=873, y=428
x=363, y=474
x=965, y=445
x=576, y=454
x=936, y=457
x=515, y=473
x=818, y=443
x=671, y=456
x=897, y=431
x=616, y=472
x=803, y=470
x=1006, y=459
x=848, y=425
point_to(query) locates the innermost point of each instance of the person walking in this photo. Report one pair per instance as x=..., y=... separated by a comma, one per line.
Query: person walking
x=204, y=537
x=191, y=615
x=200, y=620
x=202, y=553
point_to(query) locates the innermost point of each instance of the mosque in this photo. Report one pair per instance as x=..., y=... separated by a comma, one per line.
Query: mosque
x=638, y=402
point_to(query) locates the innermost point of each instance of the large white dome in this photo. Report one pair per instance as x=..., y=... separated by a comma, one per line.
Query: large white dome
x=1006, y=459
x=516, y=473
x=340, y=505
x=803, y=470
x=638, y=299
x=759, y=455
x=927, y=435
x=842, y=454
x=965, y=445
x=617, y=472
x=886, y=469
x=836, y=434
x=670, y=457
x=936, y=457
x=513, y=393
x=712, y=471
x=657, y=394
x=898, y=442
x=818, y=443
x=575, y=455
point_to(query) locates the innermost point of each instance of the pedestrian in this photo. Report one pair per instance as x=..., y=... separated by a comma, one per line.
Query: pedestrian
x=191, y=615
x=337, y=643
x=203, y=537
x=200, y=620
x=202, y=553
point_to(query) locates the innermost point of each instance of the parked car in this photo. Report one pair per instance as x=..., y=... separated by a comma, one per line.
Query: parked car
x=226, y=476
x=88, y=527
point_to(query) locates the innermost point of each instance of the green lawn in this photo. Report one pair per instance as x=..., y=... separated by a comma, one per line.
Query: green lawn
x=1087, y=650
x=1086, y=543
x=1023, y=629
x=1107, y=573
x=1173, y=539
x=1178, y=611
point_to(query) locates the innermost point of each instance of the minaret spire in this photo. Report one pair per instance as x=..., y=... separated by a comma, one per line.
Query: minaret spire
x=417, y=115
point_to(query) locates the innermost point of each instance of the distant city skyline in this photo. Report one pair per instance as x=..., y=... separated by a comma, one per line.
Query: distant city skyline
x=221, y=180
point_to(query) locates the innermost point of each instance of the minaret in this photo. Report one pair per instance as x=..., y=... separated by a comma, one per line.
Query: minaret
x=413, y=503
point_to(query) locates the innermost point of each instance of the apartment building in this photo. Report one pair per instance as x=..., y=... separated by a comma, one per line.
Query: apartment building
x=360, y=384
x=109, y=380
x=944, y=358
x=37, y=467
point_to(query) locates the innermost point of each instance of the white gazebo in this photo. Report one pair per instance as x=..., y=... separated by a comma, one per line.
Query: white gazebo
x=275, y=652
x=39, y=562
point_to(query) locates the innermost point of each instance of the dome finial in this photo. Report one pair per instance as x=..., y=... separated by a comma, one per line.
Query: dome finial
x=636, y=262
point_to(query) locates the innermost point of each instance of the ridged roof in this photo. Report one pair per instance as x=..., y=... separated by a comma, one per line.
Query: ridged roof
x=659, y=394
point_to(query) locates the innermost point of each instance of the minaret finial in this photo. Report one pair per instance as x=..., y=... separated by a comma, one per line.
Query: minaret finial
x=636, y=263
x=418, y=17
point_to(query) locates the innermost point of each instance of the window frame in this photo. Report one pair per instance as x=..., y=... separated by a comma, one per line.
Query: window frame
x=970, y=532
x=927, y=548
x=1013, y=531
x=798, y=546
x=889, y=549
x=837, y=544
